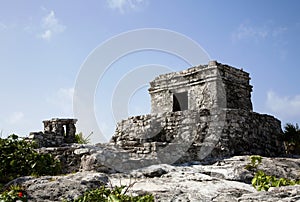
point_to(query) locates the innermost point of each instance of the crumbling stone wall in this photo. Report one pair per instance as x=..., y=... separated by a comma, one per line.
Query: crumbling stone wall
x=56, y=133
x=196, y=135
x=216, y=120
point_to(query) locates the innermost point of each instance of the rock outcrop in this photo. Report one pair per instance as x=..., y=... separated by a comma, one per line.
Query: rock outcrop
x=58, y=188
x=225, y=180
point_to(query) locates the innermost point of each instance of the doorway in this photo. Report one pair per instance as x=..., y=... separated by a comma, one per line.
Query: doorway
x=180, y=101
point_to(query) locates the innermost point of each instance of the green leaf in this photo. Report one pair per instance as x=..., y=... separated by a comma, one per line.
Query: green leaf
x=33, y=165
x=113, y=198
x=254, y=180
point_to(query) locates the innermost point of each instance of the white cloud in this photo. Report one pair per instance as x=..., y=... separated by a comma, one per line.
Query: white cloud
x=123, y=5
x=286, y=107
x=47, y=35
x=51, y=26
x=63, y=100
x=15, y=117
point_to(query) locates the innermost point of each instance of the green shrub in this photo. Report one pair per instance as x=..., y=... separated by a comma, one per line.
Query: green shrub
x=14, y=193
x=18, y=158
x=263, y=182
x=291, y=138
x=116, y=194
x=80, y=139
x=255, y=160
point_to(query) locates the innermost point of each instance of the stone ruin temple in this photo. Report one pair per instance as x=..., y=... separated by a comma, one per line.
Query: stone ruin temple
x=199, y=113
x=204, y=111
x=56, y=133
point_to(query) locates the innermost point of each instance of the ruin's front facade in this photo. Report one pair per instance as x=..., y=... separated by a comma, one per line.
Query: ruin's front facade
x=204, y=111
x=202, y=87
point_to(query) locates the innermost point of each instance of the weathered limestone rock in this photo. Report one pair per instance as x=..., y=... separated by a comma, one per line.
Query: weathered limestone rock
x=68, y=155
x=58, y=188
x=225, y=180
x=284, y=194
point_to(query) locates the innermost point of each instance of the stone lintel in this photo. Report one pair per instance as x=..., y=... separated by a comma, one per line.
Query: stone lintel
x=61, y=120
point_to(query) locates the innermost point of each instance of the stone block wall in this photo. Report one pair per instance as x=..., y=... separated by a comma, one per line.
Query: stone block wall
x=195, y=135
x=46, y=139
x=237, y=87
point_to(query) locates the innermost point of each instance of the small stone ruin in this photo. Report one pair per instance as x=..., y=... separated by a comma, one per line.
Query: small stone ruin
x=199, y=113
x=56, y=133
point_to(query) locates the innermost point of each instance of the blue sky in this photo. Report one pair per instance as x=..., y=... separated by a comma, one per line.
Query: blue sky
x=44, y=43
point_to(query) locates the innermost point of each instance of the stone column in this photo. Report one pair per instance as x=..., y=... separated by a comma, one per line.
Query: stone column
x=47, y=127
x=70, y=131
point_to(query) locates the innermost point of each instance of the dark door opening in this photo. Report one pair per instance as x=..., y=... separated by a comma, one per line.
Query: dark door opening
x=180, y=101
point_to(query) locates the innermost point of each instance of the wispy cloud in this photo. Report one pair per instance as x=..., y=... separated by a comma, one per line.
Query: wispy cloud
x=15, y=117
x=279, y=31
x=286, y=107
x=124, y=5
x=51, y=26
x=3, y=26
x=246, y=31
x=63, y=100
